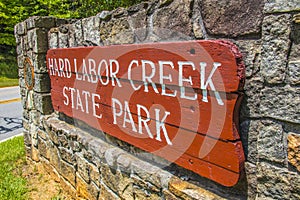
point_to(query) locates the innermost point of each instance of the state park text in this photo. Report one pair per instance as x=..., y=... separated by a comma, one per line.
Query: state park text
x=105, y=72
x=155, y=96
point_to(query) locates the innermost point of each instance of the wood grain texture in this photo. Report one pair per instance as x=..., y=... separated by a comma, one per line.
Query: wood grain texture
x=204, y=135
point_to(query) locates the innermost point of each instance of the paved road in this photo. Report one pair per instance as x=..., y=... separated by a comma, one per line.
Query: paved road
x=10, y=113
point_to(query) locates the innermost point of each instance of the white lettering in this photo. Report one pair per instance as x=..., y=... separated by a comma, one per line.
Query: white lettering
x=160, y=124
x=66, y=101
x=95, y=105
x=115, y=113
x=143, y=121
x=130, y=119
x=113, y=74
x=181, y=79
x=162, y=77
x=148, y=79
x=129, y=74
x=78, y=76
x=209, y=82
x=92, y=68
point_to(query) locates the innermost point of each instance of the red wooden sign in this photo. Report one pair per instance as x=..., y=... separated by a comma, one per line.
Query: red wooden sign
x=177, y=100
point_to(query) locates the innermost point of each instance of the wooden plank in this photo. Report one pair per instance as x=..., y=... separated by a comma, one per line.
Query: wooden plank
x=182, y=140
x=177, y=100
x=193, y=115
x=228, y=77
x=185, y=144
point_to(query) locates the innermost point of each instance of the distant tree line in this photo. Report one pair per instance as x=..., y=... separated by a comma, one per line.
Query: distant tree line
x=15, y=11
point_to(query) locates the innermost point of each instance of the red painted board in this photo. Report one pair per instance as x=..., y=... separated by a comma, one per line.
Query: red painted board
x=194, y=115
x=229, y=76
x=177, y=100
x=182, y=139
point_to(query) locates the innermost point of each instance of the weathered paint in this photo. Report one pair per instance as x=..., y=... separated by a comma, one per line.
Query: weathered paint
x=177, y=100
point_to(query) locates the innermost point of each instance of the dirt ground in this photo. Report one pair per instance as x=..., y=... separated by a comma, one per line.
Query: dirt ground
x=41, y=185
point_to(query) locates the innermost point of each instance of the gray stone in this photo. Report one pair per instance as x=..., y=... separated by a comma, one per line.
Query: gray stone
x=249, y=134
x=35, y=155
x=34, y=117
x=294, y=53
x=43, y=103
x=27, y=138
x=142, y=193
x=124, y=163
x=168, y=195
x=20, y=47
x=110, y=177
x=63, y=36
x=63, y=141
x=150, y=173
x=281, y=103
x=103, y=14
x=83, y=167
x=107, y=193
x=75, y=146
x=275, y=47
x=38, y=40
x=76, y=34
x=28, y=152
x=189, y=191
x=270, y=142
x=67, y=155
x=173, y=22
x=225, y=18
x=43, y=149
x=250, y=104
x=42, y=134
x=85, y=190
x=119, y=12
x=251, y=171
x=295, y=185
x=294, y=72
x=40, y=22
x=20, y=60
x=116, y=31
x=55, y=158
x=198, y=25
x=95, y=174
x=137, y=8
x=53, y=137
x=21, y=75
x=53, y=38
x=39, y=63
x=115, y=180
x=90, y=27
x=251, y=52
x=273, y=182
x=275, y=6
x=146, y=185
x=42, y=83
x=111, y=156
x=20, y=28
x=138, y=23
x=67, y=171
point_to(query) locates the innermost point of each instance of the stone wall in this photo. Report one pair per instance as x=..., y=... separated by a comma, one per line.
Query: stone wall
x=94, y=165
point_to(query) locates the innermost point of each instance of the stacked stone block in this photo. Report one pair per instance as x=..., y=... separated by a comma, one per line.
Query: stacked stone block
x=94, y=165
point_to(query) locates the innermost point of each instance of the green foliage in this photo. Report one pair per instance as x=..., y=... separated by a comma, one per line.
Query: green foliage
x=12, y=154
x=8, y=82
x=8, y=63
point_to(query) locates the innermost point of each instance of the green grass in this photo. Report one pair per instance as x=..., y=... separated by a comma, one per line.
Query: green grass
x=7, y=82
x=12, y=157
